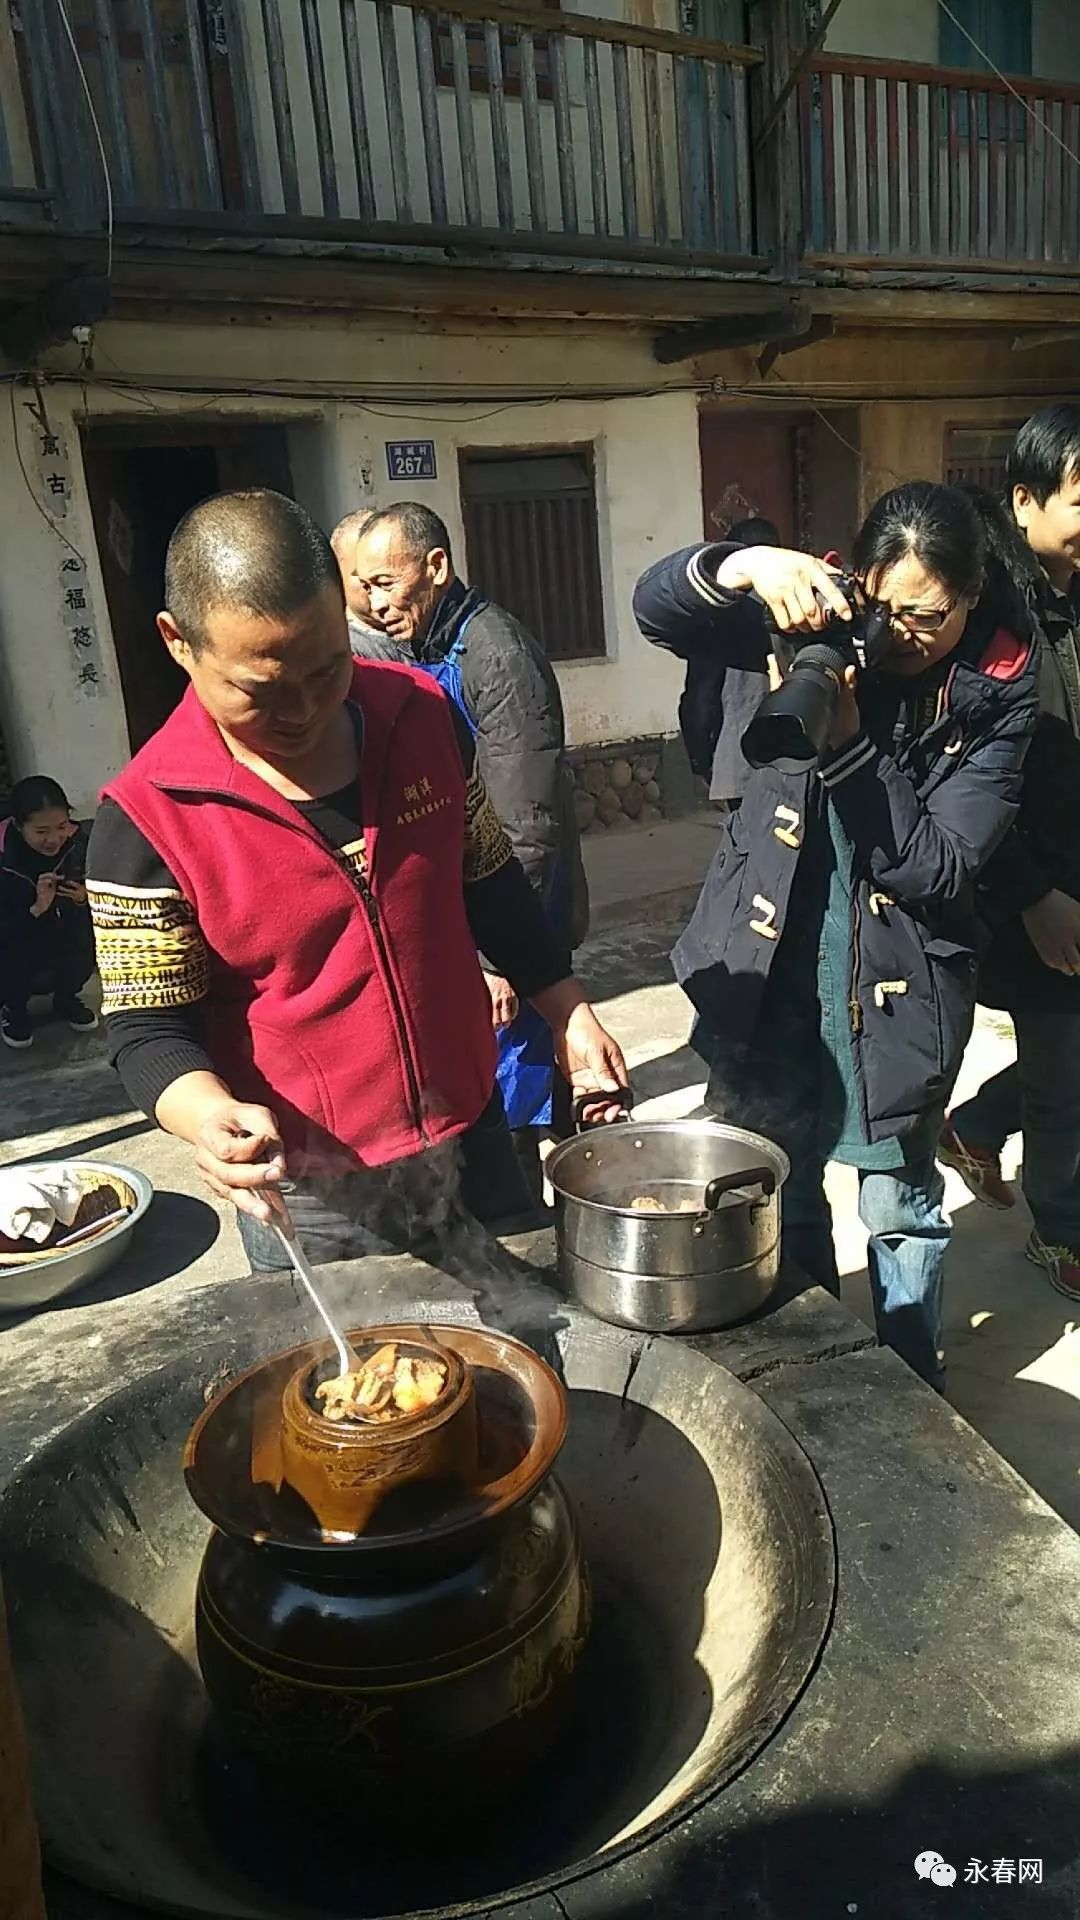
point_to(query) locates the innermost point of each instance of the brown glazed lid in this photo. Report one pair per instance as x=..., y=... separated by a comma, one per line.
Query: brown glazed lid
x=232, y=1460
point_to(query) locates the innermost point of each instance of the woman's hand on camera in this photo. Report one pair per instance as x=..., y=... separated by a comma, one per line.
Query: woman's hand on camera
x=789, y=583
x=846, y=720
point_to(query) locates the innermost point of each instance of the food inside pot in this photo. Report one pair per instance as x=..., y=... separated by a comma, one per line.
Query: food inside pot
x=651, y=1203
x=383, y=1388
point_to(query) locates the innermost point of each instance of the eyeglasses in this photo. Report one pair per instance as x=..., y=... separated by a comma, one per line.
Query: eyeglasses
x=922, y=619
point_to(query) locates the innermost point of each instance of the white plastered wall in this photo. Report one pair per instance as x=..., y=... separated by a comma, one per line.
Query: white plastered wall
x=647, y=478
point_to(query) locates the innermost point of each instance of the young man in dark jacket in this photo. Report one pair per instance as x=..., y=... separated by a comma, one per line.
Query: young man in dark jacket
x=832, y=950
x=1031, y=891
x=500, y=679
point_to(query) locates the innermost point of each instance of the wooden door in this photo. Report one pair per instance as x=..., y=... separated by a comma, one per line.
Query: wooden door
x=750, y=465
x=254, y=457
x=136, y=497
x=141, y=482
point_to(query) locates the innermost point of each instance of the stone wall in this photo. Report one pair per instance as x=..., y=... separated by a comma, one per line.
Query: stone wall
x=619, y=786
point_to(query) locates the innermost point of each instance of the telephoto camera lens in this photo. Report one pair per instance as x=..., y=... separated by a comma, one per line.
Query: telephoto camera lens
x=790, y=729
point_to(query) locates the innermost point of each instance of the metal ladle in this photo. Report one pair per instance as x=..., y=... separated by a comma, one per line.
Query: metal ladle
x=348, y=1361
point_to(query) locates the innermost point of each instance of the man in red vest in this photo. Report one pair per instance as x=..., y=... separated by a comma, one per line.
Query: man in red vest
x=289, y=885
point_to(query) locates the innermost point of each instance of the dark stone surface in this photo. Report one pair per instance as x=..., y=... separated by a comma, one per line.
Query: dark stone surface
x=942, y=1715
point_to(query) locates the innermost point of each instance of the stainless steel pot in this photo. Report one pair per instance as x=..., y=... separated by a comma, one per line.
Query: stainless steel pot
x=670, y=1271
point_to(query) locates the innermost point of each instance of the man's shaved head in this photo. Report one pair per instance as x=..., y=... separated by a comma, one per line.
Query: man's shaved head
x=348, y=531
x=255, y=552
x=421, y=530
x=400, y=568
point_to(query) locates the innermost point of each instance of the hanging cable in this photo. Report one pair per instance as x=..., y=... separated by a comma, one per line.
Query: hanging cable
x=1039, y=119
x=54, y=525
x=96, y=124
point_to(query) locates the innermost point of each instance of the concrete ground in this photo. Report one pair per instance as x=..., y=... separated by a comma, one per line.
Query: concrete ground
x=1013, y=1343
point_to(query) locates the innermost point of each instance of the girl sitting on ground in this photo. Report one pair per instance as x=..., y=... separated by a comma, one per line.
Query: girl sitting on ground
x=46, y=937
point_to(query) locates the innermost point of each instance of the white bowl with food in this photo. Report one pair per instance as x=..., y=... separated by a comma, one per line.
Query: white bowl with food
x=114, y=1200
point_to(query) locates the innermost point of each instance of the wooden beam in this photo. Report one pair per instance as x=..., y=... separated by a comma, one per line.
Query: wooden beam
x=965, y=306
x=583, y=26
x=896, y=266
x=47, y=320
x=967, y=79
x=820, y=328
x=800, y=67
x=185, y=279
x=1027, y=342
x=733, y=330
x=314, y=231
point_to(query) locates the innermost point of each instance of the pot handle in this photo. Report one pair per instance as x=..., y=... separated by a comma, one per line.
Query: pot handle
x=762, y=1177
x=623, y=1095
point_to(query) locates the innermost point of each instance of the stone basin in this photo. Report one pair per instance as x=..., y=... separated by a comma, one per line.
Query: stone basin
x=712, y=1557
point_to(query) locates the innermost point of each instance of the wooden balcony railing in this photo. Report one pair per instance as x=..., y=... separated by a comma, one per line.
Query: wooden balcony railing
x=926, y=165
x=477, y=125
x=474, y=124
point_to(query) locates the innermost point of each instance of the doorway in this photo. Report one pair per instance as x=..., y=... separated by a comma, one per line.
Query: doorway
x=797, y=468
x=141, y=483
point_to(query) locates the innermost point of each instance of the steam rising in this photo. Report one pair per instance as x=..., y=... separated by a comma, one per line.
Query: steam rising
x=416, y=1207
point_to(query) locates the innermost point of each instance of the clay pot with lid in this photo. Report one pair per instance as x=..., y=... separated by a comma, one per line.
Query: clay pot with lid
x=343, y=1469
x=427, y=1662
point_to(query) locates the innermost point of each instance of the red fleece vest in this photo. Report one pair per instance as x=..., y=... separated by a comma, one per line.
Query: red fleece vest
x=358, y=1020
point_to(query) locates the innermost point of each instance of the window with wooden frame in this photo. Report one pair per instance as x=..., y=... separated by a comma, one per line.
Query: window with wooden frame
x=981, y=32
x=532, y=543
x=476, y=50
x=986, y=34
x=978, y=455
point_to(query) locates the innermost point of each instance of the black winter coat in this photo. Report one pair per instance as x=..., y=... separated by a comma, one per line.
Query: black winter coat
x=515, y=706
x=67, y=923
x=922, y=819
x=1041, y=852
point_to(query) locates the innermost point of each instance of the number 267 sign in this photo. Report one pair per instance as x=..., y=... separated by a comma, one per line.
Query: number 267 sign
x=410, y=459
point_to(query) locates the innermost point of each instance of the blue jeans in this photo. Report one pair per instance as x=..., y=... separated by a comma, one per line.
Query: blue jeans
x=909, y=1237
x=428, y=1205
x=1040, y=1095
x=782, y=1089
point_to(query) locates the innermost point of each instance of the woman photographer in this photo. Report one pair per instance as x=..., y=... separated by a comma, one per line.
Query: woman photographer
x=832, y=950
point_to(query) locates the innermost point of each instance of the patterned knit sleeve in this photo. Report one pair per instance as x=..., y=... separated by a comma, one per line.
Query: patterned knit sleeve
x=151, y=957
x=487, y=844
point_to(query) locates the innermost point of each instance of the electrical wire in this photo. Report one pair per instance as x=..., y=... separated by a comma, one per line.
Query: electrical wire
x=1039, y=119
x=386, y=405
x=28, y=483
x=96, y=124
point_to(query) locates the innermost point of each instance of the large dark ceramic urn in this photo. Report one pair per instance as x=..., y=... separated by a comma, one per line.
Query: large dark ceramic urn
x=425, y=1657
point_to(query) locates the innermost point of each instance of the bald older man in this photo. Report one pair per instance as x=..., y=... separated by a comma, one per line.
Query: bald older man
x=503, y=684
x=368, y=642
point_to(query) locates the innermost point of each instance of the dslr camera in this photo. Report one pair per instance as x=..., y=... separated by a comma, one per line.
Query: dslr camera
x=790, y=729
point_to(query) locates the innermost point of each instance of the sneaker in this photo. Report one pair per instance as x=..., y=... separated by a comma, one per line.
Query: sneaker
x=15, y=1028
x=80, y=1018
x=1060, y=1264
x=979, y=1169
